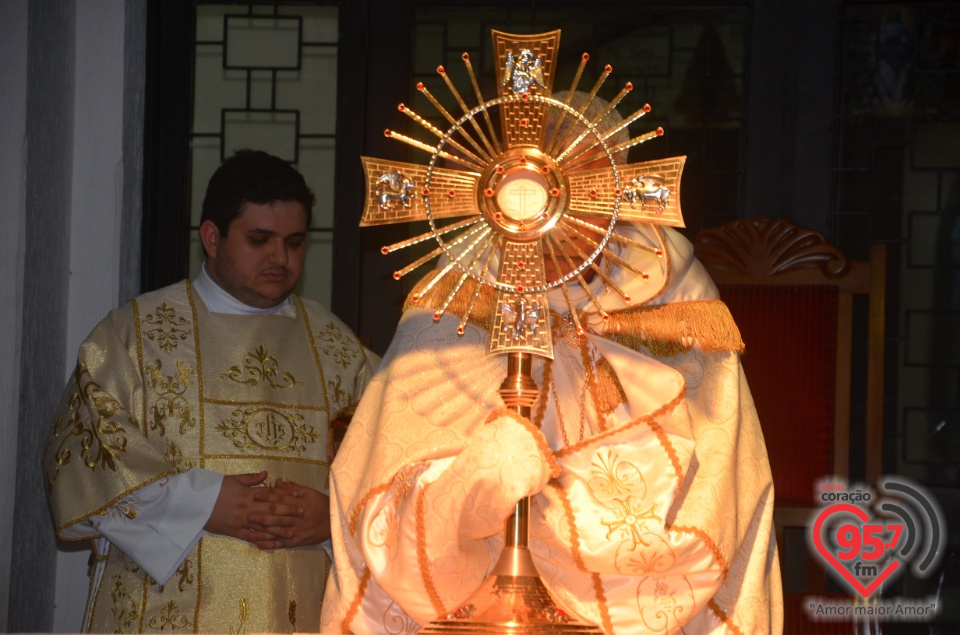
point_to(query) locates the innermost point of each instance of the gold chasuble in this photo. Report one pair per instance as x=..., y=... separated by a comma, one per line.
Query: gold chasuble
x=162, y=386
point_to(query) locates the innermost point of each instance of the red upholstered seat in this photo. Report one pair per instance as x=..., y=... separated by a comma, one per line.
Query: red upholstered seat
x=790, y=364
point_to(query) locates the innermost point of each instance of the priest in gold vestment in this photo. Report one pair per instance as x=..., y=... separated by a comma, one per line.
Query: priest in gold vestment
x=192, y=441
x=651, y=495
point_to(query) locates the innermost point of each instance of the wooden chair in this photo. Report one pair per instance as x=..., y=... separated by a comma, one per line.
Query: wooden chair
x=793, y=296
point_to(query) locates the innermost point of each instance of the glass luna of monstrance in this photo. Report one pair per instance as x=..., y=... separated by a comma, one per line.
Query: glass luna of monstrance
x=515, y=201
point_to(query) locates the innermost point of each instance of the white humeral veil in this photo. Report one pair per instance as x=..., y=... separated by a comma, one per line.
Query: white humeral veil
x=652, y=498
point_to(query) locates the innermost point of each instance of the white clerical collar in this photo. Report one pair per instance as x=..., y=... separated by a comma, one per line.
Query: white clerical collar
x=218, y=300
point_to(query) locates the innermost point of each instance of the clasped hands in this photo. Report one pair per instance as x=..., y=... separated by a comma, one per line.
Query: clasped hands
x=285, y=515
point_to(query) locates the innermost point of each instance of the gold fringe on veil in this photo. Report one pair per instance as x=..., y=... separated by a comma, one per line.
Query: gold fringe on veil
x=482, y=311
x=664, y=330
x=669, y=329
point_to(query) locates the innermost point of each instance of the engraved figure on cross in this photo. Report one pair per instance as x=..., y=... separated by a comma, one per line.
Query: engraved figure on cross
x=520, y=317
x=648, y=188
x=393, y=188
x=523, y=71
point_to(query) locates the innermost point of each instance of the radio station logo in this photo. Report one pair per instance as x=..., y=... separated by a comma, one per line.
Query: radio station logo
x=867, y=538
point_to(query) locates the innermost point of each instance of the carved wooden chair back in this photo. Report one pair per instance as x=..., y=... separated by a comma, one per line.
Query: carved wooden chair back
x=793, y=296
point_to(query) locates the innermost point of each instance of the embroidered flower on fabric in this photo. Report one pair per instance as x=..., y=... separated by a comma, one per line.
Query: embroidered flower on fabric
x=340, y=348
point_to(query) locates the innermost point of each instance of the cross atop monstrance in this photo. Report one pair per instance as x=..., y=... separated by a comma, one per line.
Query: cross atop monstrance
x=526, y=211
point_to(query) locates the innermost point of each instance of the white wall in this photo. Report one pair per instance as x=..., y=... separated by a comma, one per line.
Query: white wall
x=13, y=115
x=97, y=169
x=94, y=192
x=95, y=225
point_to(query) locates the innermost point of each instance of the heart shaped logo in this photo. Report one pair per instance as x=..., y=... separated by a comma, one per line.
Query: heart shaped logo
x=851, y=539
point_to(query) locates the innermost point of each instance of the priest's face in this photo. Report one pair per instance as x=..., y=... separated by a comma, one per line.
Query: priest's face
x=260, y=259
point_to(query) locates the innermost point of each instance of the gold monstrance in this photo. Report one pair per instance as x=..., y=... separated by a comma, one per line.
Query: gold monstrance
x=522, y=196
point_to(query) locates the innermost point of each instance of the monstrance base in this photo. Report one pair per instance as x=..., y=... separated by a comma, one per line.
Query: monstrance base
x=510, y=603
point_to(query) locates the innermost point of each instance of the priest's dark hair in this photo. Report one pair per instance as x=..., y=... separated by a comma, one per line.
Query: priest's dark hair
x=252, y=176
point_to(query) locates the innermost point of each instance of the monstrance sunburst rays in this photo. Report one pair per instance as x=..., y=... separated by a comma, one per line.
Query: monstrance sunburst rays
x=526, y=200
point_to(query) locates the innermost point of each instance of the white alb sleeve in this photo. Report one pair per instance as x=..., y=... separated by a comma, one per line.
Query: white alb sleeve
x=158, y=525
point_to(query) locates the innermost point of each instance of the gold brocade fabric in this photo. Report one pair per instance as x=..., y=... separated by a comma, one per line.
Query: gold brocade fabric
x=162, y=386
x=651, y=495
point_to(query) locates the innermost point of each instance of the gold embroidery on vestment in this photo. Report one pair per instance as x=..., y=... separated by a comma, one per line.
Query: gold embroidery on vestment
x=648, y=419
x=128, y=564
x=123, y=608
x=664, y=594
x=184, y=574
x=669, y=449
x=302, y=311
x=357, y=600
x=170, y=404
x=125, y=508
x=200, y=400
x=376, y=491
x=200, y=599
x=169, y=617
x=611, y=477
x=572, y=524
x=269, y=457
x=722, y=615
x=629, y=520
x=708, y=541
x=340, y=348
x=653, y=560
x=101, y=441
x=402, y=483
x=268, y=429
x=244, y=616
x=422, y=558
x=602, y=603
x=264, y=404
x=168, y=327
x=394, y=621
x=665, y=603
x=103, y=510
x=259, y=366
x=174, y=458
x=620, y=488
x=338, y=393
